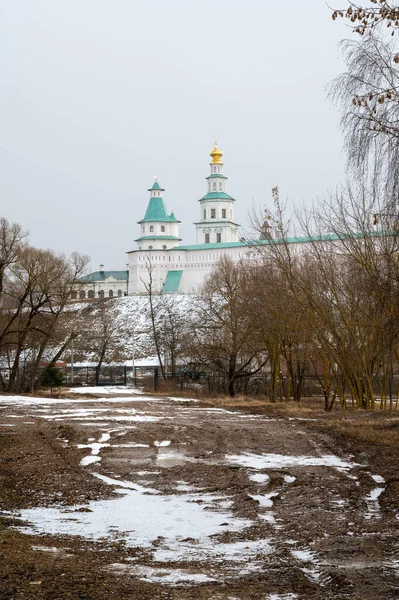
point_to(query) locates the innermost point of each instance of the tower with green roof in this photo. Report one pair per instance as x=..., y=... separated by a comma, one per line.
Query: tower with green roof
x=216, y=224
x=159, y=230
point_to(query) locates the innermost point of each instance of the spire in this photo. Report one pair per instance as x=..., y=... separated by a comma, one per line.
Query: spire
x=155, y=185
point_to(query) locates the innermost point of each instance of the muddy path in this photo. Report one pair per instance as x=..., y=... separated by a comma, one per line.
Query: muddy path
x=140, y=497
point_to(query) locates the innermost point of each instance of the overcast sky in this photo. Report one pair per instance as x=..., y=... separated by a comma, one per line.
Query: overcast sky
x=98, y=96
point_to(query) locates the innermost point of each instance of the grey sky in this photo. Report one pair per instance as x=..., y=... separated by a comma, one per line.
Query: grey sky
x=97, y=96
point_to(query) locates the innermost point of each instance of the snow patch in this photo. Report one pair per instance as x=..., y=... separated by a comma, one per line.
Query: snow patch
x=164, y=576
x=281, y=461
x=138, y=517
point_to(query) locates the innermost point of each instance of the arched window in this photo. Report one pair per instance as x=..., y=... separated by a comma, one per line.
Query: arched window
x=74, y=295
x=111, y=293
x=90, y=294
x=82, y=294
x=164, y=248
x=149, y=247
x=119, y=293
x=101, y=294
x=162, y=228
x=151, y=227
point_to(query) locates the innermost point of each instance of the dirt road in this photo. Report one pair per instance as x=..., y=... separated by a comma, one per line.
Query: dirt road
x=139, y=497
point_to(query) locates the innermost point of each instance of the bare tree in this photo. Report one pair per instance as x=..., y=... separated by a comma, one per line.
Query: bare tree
x=225, y=333
x=153, y=311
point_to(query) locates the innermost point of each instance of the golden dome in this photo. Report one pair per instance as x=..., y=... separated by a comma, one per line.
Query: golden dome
x=216, y=154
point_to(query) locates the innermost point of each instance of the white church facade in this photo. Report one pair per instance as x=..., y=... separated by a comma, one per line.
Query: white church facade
x=175, y=268
x=161, y=259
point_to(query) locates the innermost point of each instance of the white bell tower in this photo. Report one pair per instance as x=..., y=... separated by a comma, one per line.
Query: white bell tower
x=216, y=225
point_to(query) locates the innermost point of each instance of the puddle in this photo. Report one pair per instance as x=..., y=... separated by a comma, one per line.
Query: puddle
x=168, y=457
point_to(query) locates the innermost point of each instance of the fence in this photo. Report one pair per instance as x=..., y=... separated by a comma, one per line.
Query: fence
x=197, y=384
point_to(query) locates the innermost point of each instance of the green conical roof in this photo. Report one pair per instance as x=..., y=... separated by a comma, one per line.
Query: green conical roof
x=156, y=186
x=173, y=218
x=156, y=211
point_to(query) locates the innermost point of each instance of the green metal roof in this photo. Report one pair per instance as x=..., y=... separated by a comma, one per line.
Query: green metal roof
x=328, y=237
x=216, y=196
x=156, y=186
x=205, y=222
x=158, y=237
x=216, y=175
x=103, y=275
x=156, y=212
x=172, y=281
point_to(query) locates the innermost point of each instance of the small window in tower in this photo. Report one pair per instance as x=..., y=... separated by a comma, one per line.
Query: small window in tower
x=164, y=248
x=218, y=238
x=143, y=229
x=151, y=227
x=213, y=213
x=223, y=213
x=149, y=247
x=220, y=186
x=162, y=228
x=204, y=214
x=207, y=238
x=214, y=185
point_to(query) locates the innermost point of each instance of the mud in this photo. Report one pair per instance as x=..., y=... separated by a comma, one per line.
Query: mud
x=150, y=498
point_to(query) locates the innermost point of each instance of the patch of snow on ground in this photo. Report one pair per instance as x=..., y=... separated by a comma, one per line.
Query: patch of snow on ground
x=289, y=479
x=281, y=597
x=176, y=399
x=378, y=478
x=164, y=576
x=33, y=401
x=162, y=444
x=138, y=517
x=259, y=477
x=237, y=552
x=307, y=556
x=105, y=390
x=265, y=500
x=281, y=461
x=373, y=505
x=89, y=460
